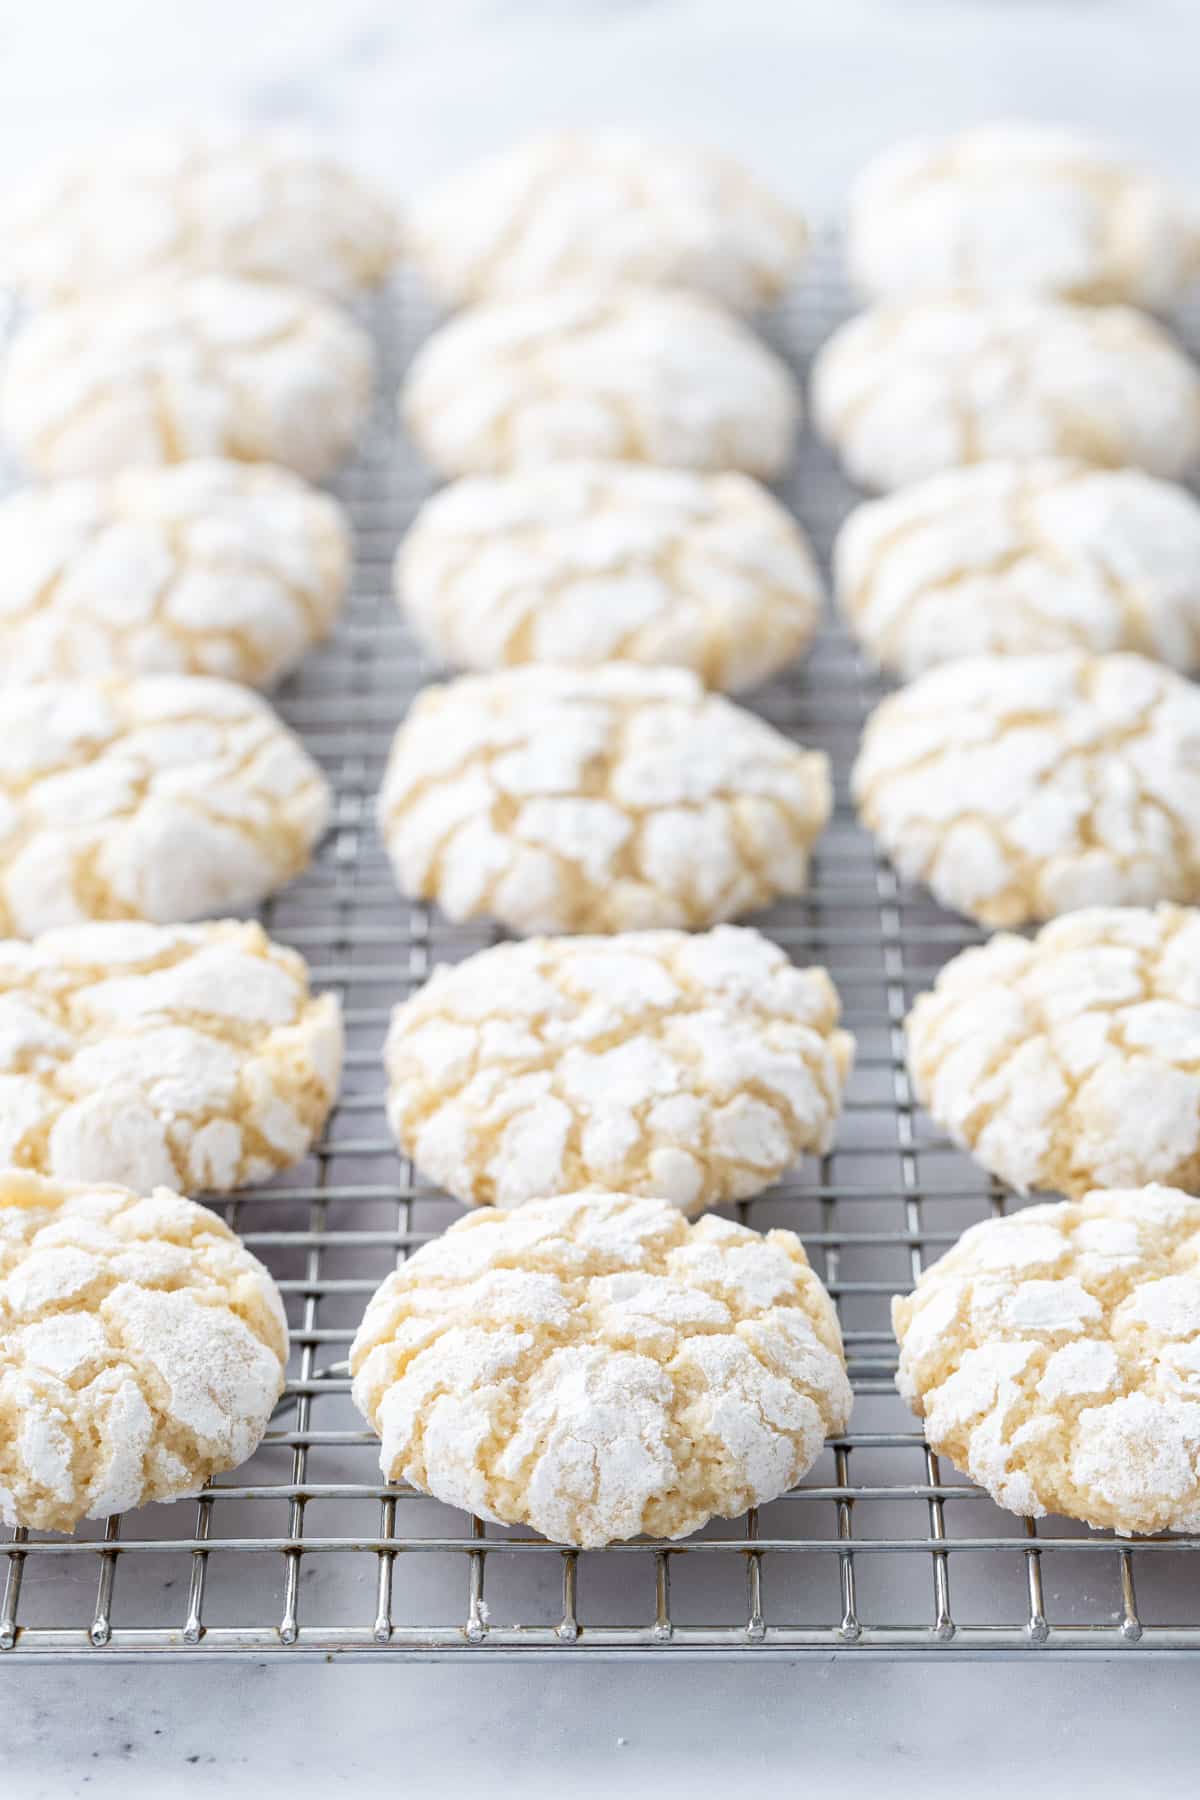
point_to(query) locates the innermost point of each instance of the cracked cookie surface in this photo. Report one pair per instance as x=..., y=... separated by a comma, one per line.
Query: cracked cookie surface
x=611, y=562
x=1054, y=1357
x=207, y=568
x=177, y=368
x=614, y=206
x=142, y=1349
x=597, y=800
x=265, y=204
x=1017, y=208
x=905, y=390
x=1072, y=1060
x=1016, y=558
x=191, y=1057
x=161, y=798
x=695, y=1068
x=646, y=375
x=1021, y=787
x=596, y=1367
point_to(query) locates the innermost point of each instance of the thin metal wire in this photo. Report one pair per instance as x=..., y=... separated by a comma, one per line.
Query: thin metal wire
x=305, y=1551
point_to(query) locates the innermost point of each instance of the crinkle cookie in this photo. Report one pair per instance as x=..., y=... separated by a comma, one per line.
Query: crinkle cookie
x=903, y=391
x=695, y=1068
x=1055, y=1358
x=604, y=206
x=142, y=1350
x=597, y=800
x=1072, y=1061
x=1016, y=208
x=1012, y=557
x=162, y=798
x=596, y=1367
x=1020, y=787
x=191, y=1056
x=207, y=568
x=168, y=370
x=603, y=562
x=267, y=204
x=638, y=374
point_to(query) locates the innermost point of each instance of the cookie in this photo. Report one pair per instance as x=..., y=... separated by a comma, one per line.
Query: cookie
x=695, y=1068
x=647, y=375
x=597, y=800
x=161, y=798
x=906, y=390
x=1071, y=1061
x=207, y=568
x=205, y=365
x=190, y=1056
x=603, y=562
x=1018, y=208
x=142, y=1350
x=604, y=206
x=596, y=1367
x=266, y=204
x=1020, y=787
x=1055, y=1358
x=1013, y=558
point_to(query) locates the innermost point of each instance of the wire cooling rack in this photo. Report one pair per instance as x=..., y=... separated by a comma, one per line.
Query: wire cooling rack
x=881, y=1550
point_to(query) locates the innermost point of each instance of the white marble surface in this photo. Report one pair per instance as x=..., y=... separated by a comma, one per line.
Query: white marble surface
x=805, y=89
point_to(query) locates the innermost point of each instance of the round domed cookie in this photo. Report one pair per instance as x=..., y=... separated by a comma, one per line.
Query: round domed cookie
x=905, y=390
x=1054, y=1357
x=186, y=1055
x=637, y=374
x=206, y=568
x=596, y=1367
x=1020, y=787
x=1071, y=1061
x=168, y=370
x=142, y=1349
x=695, y=1068
x=1018, y=208
x=1013, y=558
x=267, y=204
x=162, y=798
x=611, y=206
x=602, y=562
x=597, y=800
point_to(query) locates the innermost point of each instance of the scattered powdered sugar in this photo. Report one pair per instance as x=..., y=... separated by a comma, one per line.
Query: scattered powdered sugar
x=596, y=1367
x=1076, y=1391
x=142, y=1349
x=696, y=1068
x=1020, y=787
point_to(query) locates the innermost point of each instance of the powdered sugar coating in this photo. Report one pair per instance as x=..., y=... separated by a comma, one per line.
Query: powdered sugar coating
x=206, y=568
x=695, y=1068
x=610, y=206
x=1018, y=208
x=267, y=204
x=905, y=390
x=1016, y=558
x=1055, y=1357
x=162, y=798
x=1021, y=787
x=597, y=800
x=596, y=1367
x=634, y=374
x=601, y=562
x=1071, y=1061
x=190, y=1056
x=142, y=1349
x=168, y=370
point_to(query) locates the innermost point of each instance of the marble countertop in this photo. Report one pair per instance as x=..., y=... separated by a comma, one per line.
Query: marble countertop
x=804, y=90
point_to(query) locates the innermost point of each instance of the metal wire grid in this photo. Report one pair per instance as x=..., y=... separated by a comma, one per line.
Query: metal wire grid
x=303, y=1550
